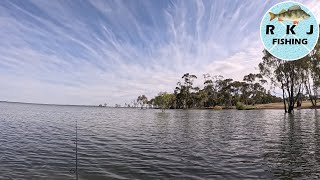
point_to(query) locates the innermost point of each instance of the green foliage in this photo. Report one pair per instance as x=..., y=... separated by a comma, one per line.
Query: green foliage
x=164, y=100
x=185, y=91
x=240, y=106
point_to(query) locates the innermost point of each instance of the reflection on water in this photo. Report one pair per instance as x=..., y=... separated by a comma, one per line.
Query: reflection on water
x=36, y=142
x=296, y=152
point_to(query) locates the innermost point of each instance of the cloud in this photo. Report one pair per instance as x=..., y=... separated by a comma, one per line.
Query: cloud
x=91, y=52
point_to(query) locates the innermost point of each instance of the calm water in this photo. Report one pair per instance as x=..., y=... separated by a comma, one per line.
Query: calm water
x=37, y=142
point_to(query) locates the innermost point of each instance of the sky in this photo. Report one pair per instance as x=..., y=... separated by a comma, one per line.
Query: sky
x=90, y=52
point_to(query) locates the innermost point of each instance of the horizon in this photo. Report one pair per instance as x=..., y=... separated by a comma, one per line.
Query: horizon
x=95, y=52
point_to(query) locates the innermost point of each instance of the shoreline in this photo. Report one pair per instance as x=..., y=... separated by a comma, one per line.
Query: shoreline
x=305, y=105
x=271, y=106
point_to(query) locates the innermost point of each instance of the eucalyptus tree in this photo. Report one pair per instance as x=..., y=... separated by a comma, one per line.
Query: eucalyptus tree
x=164, y=100
x=183, y=90
x=207, y=91
x=211, y=86
x=236, y=91
x=245, y=92
x=284, y=74
x=254, y=86
x=142, y=100
x=224, y=91
x=151, y=103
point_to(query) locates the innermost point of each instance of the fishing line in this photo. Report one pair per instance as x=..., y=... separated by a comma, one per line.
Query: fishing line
x=76, y=149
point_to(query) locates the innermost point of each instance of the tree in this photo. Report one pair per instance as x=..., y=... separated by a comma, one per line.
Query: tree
x=183, y=90
x=254, y=87
x=284, y=74
x=151, y=103
x=134, y=103
x=209, y=91
x=164, y=100
x=224, y=90
x=142, y=100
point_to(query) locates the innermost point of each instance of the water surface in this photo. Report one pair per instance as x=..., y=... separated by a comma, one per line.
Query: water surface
x=37, y=142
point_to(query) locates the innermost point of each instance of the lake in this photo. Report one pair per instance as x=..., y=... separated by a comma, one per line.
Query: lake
x=37, y=142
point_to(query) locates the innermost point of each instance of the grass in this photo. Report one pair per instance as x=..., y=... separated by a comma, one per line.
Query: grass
x=241, y=106
x=305, y=105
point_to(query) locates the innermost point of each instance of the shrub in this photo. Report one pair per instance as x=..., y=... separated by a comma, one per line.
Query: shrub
x=217, y=108
x=240, y=106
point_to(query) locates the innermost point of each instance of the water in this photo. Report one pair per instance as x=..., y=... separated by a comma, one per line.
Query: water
x=37, y=142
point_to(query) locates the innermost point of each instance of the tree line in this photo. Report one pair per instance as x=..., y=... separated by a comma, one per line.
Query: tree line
x=217, y=91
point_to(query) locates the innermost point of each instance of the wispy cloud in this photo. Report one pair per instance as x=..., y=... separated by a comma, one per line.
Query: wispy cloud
x=91, y=52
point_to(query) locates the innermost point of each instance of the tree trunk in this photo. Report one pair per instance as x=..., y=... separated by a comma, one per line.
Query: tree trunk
x=291, y=104
x=290, y=110
x=284, y=100
x=298, y=99
x=312, y=98
x=291, y=101
x=291, y=95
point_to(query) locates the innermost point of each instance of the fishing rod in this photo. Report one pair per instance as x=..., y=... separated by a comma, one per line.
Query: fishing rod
x=76, y=150
x=75, y=171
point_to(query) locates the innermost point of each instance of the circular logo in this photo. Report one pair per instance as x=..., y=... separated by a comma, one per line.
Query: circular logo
x=289, y=31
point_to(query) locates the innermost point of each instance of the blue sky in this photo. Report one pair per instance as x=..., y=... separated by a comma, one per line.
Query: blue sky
x=91, y=52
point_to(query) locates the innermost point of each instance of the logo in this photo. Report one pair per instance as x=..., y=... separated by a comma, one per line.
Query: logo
x=289, y=31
